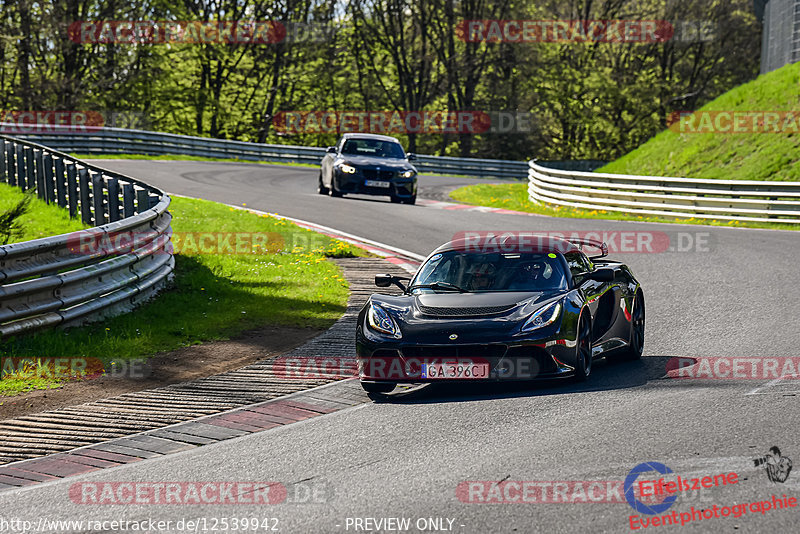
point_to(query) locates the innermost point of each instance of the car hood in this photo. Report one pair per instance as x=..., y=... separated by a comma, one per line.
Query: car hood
x=474, y=317
x=371, y=161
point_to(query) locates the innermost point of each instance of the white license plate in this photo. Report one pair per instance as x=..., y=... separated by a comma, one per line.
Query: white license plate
x=455, y=370
x=377, y=183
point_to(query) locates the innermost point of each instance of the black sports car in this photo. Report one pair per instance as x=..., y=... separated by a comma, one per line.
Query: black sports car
x=521, y=307
x=368, y=164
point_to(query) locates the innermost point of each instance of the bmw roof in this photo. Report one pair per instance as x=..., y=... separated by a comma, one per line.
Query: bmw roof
x=379, y=137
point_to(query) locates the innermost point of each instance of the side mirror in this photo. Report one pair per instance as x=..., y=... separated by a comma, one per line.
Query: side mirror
x=331, y=150
x=411, y=156
x=386, y=280
x=604, y=274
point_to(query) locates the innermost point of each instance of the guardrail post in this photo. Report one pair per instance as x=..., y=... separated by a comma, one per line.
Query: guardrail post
x=29, y=182
x=60, y=184
x=41, y=188
x=3, y=173
x=128, y=199
x=11, y=163
x=49, y=181
x=142, y=200
x=86, y=210
x=113, y=199
x=97, y=198
x=72, y=189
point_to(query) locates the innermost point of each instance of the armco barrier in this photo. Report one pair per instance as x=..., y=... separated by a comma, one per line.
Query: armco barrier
x=96, y=140
x=51, y=281
x=741, y=200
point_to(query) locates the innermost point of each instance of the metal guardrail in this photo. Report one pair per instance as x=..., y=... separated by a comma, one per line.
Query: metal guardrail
x=83, y=276
x=741, y=200
x=95, y=140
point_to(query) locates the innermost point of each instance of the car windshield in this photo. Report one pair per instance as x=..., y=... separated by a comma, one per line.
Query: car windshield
x=494, y=271
x=373, y=147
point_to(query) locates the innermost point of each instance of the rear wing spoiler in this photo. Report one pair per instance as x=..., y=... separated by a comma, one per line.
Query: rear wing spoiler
x=582, y=242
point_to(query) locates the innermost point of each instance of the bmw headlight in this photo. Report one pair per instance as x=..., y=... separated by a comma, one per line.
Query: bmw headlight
x=344, y=167
x=543, y=317
x=380, y=321
x=407, y=174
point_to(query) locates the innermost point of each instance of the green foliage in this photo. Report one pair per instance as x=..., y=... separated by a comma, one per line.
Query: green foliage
x=590, y=100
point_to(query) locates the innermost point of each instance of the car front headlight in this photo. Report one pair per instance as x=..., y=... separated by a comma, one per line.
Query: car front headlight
x=349, y=169
x=380, y=321
x=541, y=318
x=407, y=174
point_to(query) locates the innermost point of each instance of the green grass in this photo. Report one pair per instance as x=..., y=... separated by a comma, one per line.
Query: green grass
x=735, y=156
x=215, y=296
x=515, y=197
x=41, y=219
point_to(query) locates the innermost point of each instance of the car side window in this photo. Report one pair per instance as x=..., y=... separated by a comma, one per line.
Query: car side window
x=578, y=264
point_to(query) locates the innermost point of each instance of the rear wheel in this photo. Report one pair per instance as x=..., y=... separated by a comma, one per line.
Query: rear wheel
x=583, y=363
x=378, y=387
x=321, y=189
x=636, y=345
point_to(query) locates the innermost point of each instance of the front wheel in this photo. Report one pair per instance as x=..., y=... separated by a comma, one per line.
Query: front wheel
x=378, y=387
x=321, y=189
x=583, y=363
x=332, y=191
x=412, y=200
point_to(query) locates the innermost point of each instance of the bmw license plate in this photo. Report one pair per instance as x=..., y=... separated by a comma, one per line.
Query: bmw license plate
x=377, y=183
x=455, y=370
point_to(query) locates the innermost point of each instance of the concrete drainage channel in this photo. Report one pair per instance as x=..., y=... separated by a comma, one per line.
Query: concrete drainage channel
x=159, y=421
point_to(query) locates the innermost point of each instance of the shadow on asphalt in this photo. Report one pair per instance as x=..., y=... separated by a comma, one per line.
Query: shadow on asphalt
x=606, y=375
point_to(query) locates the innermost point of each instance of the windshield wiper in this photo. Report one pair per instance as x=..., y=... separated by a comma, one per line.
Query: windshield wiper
x=439, y=285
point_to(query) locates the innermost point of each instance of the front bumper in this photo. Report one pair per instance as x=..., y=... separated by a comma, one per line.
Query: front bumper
x=513, y=360
x=357, y=183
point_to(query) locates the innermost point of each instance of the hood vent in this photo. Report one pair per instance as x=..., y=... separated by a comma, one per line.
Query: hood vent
x=437, y=311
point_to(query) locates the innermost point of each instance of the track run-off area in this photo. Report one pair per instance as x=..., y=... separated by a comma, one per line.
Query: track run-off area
x=725, y=297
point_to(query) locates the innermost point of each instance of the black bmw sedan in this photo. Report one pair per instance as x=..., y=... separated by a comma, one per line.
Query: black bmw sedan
x=368, y=164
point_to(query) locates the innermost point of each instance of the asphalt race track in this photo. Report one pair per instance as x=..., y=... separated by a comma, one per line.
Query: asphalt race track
x=720, y=292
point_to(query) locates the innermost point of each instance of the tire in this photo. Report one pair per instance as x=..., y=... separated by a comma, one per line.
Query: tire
x=395, y=200
x=583, y=359
x=321, y=189
x=378, y=387
x=636, y=345
x=412, y=200
x=332, y=191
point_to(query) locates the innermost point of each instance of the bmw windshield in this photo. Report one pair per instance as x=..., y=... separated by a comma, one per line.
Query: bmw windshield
x=373, y=147
x=494, y=271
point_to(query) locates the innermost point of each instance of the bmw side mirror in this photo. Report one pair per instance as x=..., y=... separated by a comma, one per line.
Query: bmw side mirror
x=386, y=280
x=331, y=150
x=411, y=156
x=602, y=275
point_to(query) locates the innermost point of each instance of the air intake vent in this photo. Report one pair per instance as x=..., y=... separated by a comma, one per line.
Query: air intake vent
x=464, y=312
